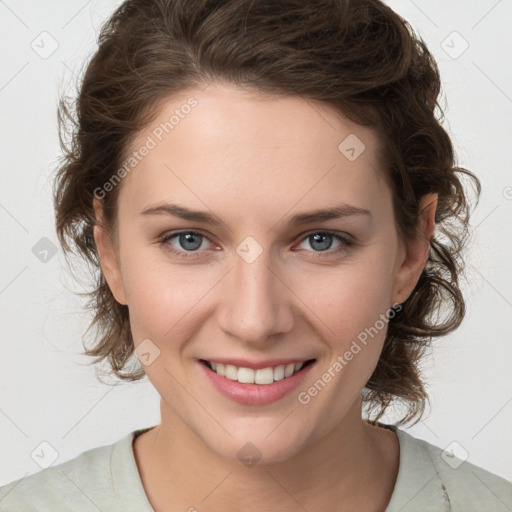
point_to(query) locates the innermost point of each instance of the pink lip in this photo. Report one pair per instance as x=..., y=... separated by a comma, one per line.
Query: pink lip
x=255, y=394
x=256, y=365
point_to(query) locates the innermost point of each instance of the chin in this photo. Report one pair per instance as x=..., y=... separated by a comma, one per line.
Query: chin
x=259, y=446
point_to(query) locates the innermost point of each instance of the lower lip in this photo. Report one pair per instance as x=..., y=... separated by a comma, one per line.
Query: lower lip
x=255, y=394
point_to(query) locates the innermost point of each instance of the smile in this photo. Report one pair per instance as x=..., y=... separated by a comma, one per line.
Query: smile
x=266, y=382
x=262, y=376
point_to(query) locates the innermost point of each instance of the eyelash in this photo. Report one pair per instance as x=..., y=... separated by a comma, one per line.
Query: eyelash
x=346, y=242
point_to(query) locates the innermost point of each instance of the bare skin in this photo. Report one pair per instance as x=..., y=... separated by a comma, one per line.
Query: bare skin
x=285, y=486
x=255, y=161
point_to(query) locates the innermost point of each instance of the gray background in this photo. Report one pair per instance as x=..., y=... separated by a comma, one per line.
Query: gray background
x=48, y=394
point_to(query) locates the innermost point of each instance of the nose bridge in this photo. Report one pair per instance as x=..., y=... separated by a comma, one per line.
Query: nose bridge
x=255, y=300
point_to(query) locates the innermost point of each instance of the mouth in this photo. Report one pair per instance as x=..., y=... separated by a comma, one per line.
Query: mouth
x=262, y=376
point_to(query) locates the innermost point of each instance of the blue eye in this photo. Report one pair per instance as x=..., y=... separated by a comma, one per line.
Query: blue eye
x=190, y=243
x=322, y=240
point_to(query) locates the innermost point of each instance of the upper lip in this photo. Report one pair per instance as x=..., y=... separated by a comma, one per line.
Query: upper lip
x=256, y=365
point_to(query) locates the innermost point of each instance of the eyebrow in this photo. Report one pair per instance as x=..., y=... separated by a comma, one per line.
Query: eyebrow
x=338, y=212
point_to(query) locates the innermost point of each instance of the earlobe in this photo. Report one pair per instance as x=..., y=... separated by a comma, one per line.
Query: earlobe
x=416, y=250
x=107, y=255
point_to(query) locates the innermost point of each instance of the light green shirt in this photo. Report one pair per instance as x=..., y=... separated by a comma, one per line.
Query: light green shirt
x=106, y=479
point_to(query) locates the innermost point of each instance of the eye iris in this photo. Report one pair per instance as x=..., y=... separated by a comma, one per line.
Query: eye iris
x=186, y=238
x=318, y=238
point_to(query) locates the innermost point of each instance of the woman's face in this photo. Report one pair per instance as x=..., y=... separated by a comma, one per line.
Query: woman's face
x=264, y=285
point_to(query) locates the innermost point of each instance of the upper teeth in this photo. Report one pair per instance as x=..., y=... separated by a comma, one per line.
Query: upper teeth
x=261, y=376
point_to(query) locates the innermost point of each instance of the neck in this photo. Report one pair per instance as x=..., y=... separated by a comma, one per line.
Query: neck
x=179, y=471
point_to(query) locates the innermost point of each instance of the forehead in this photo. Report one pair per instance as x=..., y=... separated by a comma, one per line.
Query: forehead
x=248, y=149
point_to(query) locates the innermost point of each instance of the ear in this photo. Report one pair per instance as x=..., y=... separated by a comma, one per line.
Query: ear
x=107, y=255
x=416, y=250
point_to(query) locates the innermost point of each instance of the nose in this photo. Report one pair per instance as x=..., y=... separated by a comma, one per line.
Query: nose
x=256, y=304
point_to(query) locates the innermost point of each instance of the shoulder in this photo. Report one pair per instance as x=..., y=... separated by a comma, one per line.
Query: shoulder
x=433, y=479
x=101, y=478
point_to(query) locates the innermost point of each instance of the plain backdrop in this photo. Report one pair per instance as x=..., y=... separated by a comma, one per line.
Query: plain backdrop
x=48, y=392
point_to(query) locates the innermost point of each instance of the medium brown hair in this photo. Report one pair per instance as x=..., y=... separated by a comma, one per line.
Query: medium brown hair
x=360, y=57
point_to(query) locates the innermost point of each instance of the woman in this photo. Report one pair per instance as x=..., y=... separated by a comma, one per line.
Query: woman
x=277, y=220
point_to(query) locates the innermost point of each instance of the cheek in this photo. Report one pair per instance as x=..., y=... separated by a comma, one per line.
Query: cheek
x=161, y=301
x=351, y=313
x=159, y=294
x=350, y=297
